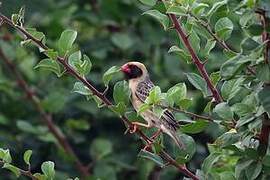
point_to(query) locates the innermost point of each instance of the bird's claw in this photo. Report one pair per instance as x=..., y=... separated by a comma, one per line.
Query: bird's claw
x=133, y=128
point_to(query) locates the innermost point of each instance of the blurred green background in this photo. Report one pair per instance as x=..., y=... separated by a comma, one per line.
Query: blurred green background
x=110, y=32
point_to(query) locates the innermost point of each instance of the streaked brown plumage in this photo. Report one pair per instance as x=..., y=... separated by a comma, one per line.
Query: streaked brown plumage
x=140, y=86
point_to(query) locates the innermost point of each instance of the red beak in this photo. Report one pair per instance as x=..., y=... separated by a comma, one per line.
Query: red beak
x=125, y=68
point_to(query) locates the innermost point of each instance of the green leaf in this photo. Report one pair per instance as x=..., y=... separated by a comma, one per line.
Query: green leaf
x=78, y=124
x=121, y=92
x=50, y=65
x=162, y=18
x=215, y=7
x=148, y=2
x=38, y=35
x=184, y=155
x=224, y=28
x=264, y=97
x=52, y=54
x=243, y=120
x=263, y=72
x=48, y=169
x=224, y=111
x=26, y=127
x=215, y=77
x=241, y=166
x=198, y=82
x=195, y=41
x=253, y=170
x=109, y=74
x=266, y=160
x=210, y=44
x=198, y=8
x=66, y=41
x=177, y=10
x=155, y=96
x=227, y=139
x=183, y=55
x=5, y=155
x=210, y=161
x=143, y=108
x=85, y=66
x=230, y=88
x=100, y=148
x=80, y=88
x=151, y=156
x=242, y=109
x=13, y=169
x=26, y=156
x=120, y=108
x=176, y=93
x=122, y=41
x=195, y=127
x=185, y=103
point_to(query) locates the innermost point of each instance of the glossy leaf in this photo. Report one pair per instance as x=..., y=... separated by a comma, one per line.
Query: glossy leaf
x=50, y=65
x=162, y=18
x=108, y=75
x=26, y=157
x=198, y=82
x=66, y=41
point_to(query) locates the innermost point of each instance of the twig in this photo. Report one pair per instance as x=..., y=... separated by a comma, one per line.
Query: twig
x=58, y=134
x=23, y=172
x=107, y=102
x=200, y=66
x=188, y=113
x=209, y=30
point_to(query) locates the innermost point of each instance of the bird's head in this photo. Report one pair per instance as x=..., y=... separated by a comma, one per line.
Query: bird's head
x=134, y=70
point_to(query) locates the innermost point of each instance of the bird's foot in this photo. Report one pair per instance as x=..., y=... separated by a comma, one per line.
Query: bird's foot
x=133, y=128
x=147, y=147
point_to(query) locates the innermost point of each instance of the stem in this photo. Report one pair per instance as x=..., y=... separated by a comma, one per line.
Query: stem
x=198, y=63
x=265, y=131
x=23, y=172
x=58, y=134
x=71, y=71
x=188, y=113
x=209, y=30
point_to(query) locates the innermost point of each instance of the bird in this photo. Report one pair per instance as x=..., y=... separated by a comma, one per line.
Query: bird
x=140, y=86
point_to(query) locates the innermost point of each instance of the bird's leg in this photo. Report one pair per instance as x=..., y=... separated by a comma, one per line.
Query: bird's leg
x=135, y=125
x=153, y=138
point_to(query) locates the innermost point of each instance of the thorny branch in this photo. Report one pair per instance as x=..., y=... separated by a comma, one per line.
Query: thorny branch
x=58, y=134
x=101, y=95
x=198, y=63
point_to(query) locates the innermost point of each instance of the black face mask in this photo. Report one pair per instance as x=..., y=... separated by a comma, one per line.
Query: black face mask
x=135, y=72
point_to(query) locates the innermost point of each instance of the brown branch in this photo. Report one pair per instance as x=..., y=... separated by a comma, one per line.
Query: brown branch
x=57, y=133
x=265, y=130
x=198, y=63
x=23, y=172
x=188, y=113
x=107, y=102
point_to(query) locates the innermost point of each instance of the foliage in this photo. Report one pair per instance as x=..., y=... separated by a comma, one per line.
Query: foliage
x=215, y=69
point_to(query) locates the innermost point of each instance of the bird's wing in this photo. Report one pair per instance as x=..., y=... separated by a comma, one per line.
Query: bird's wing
x=143, y=89
x=142, y=92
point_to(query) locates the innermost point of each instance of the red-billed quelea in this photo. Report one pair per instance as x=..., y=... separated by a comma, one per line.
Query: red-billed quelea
x=140, y=86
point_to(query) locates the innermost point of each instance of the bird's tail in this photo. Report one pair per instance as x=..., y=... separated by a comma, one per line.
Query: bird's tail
x=173, y=134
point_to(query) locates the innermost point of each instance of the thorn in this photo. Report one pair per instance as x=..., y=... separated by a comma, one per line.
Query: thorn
x=171, y=27
x=105, y=91
x=204, y=62
x=187, y=36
